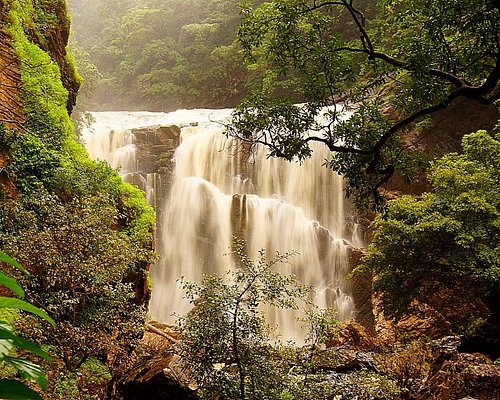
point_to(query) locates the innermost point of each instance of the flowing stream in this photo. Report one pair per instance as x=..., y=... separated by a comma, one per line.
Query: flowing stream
x=220, y=190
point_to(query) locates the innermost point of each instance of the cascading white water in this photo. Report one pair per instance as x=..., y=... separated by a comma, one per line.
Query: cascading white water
x=220, y=190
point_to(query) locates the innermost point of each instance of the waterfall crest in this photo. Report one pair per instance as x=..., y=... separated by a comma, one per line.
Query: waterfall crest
x=221, y=190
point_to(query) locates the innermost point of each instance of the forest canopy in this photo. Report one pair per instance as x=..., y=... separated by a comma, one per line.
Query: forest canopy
x=161, y=55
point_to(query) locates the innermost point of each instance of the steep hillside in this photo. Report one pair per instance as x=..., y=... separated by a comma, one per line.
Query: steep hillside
x=85, y=236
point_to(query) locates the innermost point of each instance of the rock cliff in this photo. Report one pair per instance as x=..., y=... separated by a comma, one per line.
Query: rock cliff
x=49, y=29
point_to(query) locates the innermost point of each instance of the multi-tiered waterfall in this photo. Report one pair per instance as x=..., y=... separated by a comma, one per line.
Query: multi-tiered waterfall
x=221, y=190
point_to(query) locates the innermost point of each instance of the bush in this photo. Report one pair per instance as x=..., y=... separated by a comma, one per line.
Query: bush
x=448, y=237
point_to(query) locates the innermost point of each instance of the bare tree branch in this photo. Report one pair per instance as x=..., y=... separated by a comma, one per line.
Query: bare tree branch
x=338, y=149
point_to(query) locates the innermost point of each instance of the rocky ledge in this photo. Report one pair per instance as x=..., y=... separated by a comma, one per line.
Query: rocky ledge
x=354, y=363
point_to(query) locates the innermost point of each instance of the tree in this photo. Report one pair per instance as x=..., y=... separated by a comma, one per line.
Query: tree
x=449, y=237
x=226, y=338
x=227, y=346
x=425, y=54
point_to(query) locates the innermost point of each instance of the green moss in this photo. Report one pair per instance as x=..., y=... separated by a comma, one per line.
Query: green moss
x=149, y=282
x=7, y=370
x=44, y=96
x=78, y=386
x=71, y=64
x=67, y=387
x=140, y=216
x=94, y=372
x=10, y=315
x=50, y=150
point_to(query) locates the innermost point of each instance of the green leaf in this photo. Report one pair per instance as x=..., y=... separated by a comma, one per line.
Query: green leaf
x=9, y=260
x=5, y=347
x=11, y=284
x=28, y=370
x=8, y=302
x=10, y=389
x=18, y=341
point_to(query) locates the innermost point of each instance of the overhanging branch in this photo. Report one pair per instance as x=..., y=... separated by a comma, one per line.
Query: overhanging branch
x=338, y=149
x=369, y=49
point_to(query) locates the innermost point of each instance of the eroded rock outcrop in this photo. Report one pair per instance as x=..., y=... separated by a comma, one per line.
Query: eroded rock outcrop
x=53, y=38
x=353, y=335
x=11, y=110
x=457, y=375
x=159, y=373
x=155, y=148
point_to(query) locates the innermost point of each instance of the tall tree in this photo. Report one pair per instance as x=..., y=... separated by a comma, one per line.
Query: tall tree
x=424, y=54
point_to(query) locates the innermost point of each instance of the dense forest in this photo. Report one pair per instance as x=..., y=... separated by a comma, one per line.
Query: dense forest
x=411, y=89
x=160, y=55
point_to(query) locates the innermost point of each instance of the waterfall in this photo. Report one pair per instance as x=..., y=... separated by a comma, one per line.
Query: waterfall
x=221, y=190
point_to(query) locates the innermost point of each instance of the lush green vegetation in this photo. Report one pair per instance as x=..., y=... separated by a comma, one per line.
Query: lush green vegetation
x=235, y=354
x=161, y=54
x=85, y=236
x=421, y=55
x=226, y=328
x=10, y=341
x=449, y=237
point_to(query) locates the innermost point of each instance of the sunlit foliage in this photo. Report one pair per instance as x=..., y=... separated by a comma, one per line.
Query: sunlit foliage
x=449, y=237
x=416, y=56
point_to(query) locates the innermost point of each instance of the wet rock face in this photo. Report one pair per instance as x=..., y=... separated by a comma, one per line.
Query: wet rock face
x=362, y=291
x=421, y=320
x=353, y=335
x=51, y=35
x=155, y=149
x=10, y=83
x=55, y=42
x=154, y=144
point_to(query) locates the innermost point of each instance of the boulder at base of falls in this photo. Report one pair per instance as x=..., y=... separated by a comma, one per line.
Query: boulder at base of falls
x=352, y=335
x=158, y=373
x=421, y=320
x=362, y=291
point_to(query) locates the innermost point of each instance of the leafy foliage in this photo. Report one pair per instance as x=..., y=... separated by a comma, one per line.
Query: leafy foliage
x=89, y=382
x=232, y=353
x=84, y=235
x=448, y=237
x=9, y=341
x=421, y=55
x=409, y=363
x=226, y=327
x=81, y=264
x=161, y=54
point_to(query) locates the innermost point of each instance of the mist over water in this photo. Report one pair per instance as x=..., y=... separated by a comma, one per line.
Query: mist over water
x=220, y=190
